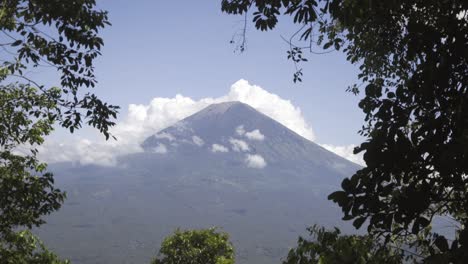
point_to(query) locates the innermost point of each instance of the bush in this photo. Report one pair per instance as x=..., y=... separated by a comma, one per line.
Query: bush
x=204, y=246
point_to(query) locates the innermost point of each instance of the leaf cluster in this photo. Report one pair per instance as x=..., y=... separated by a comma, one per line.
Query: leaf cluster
x=413, y=70
x=204, y=246
x=414, y=67
x=310, y=15
x=330, y=246
x=61, y=35
x=23, y=247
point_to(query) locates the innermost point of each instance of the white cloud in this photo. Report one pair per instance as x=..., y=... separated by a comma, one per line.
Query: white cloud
x=239, y=145
x=143, y=121
x=219, y=148
x=271, y=105
x=83, y=151
x=240, y=130
x=198, y=141
x=255, y=135
x=255, y=161
x=164, y=135
x=346, y=152
x=160, y=148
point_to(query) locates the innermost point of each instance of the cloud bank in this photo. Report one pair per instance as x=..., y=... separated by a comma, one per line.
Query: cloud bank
x=143, y=121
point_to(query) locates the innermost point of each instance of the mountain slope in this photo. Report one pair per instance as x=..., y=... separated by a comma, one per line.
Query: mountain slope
x=221, y=123
x=205, y=170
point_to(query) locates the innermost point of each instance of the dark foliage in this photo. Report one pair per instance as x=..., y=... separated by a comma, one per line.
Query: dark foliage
x=62, y=35
x=330, y=247
x=412, y=57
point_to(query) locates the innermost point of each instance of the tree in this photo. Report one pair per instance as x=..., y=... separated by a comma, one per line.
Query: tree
x=413, y=63
x=62, y=35
x=329, y=247
x=204, y=246
x=25, y=248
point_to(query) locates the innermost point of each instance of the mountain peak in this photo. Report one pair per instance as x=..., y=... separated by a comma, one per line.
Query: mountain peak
x=226, y=104
x=239, y=129
x=227, y=165
x=221, y=108
x=223, y=111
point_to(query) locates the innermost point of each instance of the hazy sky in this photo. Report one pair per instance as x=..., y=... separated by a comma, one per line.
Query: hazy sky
x=163, y=48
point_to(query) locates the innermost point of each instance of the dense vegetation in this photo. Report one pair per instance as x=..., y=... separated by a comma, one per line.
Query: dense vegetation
x=204, y=246
x=207, y=246
x=62, y=35
x=329, y=247
x=412, y=57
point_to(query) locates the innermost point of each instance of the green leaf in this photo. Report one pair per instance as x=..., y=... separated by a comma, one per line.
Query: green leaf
x=327, y=45
x=441, y=243
x=16, y=43
x=358, y=222
x=338, y=196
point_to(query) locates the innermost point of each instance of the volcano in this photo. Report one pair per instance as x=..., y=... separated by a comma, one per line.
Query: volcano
x=227, y=165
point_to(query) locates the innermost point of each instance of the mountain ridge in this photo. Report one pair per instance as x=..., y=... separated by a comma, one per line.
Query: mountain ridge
x=221, y=123
x=121, y=214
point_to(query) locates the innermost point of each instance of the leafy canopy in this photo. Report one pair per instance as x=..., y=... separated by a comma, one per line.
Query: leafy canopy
x=24, y=248
x=413, y=62
x=330, y=247
x=61, y=35
x=204, y=246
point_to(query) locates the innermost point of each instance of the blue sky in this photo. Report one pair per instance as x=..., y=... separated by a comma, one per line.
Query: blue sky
x=163, y=48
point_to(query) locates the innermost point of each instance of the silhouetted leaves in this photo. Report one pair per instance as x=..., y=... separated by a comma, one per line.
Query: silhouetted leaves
x=413, y=63
x=330, y=246
x=70, y=47
x=63, y=35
